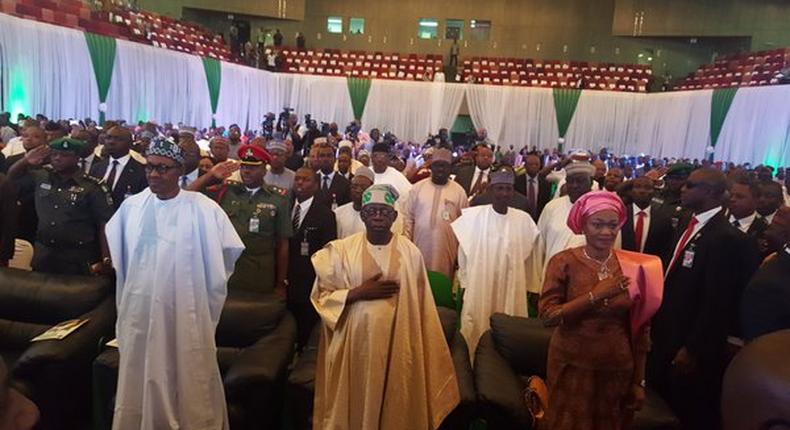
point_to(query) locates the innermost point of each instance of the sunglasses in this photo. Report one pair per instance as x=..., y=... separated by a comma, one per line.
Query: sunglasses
x=159, y=168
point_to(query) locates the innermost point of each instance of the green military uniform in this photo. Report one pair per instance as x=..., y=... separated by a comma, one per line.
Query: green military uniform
x=261, y=220
x=70, y=211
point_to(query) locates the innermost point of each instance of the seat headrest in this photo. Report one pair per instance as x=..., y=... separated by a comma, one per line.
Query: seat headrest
x=523, y=342
x=247, y=317
x=49, y=299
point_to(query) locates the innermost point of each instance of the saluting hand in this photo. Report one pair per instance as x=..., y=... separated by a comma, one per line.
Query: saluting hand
x=224, y=169
x=373, y=289
x=36, y=156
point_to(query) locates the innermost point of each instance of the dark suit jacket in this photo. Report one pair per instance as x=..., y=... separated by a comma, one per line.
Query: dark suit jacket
x=317, y=229
x=27, y=221
x=131, y=180
x=8, y=218
x=659, y=234
x=544, y=191
x=699, y=308
x=765, y=307
x=757, y=228
x=465, y=175
x=340, y=188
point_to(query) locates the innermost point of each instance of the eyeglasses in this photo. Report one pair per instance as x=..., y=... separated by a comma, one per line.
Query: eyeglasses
x=159, y=168
x=378, y=210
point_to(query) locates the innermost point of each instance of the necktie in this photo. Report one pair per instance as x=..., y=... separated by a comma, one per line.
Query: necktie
x=111, y=176
x=533, y=206
x=183, y=182
x=325, y=187
x=640, y=228
x=683, y=242
x=478, y=184
x=297, y=216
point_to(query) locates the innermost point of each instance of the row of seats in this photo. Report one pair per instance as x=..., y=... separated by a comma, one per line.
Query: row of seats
x=563, y=74
x=122, y=23
x=745, y=69
x=333, y=62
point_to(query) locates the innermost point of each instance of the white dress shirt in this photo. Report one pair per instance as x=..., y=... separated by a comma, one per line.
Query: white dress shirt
x=87, y=163
x=121, y=164
x=745, y=222
x=477, y=174
x=330, y=176
x=191, y=177
x=769, y=218
x=646, y=225
x=303, y=208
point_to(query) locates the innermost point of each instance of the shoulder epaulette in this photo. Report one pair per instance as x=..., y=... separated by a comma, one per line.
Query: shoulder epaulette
x=277, y=190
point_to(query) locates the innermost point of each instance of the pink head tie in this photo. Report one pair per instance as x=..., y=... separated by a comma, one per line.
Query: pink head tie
x=592, y=203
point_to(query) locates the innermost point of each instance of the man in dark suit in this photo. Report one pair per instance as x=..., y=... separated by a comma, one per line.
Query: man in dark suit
x=474, y=179
x=742, y=210
x=766, y=301
x=536, y=188
x=333, y=189
x=33, y=136
x=313, y=226
x=647, y=228
x=122, y=174
x=707, y=269
x=88, y=157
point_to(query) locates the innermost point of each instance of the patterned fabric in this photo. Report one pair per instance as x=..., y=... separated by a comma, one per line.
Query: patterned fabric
x=164, y=147
x=384, y=194
x=592, y=203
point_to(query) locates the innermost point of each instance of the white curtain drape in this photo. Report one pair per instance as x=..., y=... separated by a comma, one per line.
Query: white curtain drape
x=46, y=69
x=158, y=84
x=488, y=106
x=412, y=110
x=757, y=127
x=604, y=119
x=326, y=98
x=530, y=119
x=674, y=124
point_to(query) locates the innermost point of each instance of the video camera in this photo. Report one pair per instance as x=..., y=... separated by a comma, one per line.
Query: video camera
x=267, y=126
x=282, y=120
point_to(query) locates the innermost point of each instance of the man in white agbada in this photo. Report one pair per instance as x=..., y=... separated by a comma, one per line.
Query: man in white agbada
x=385, y=174
x=433, y=204
x=555, y=236
x=383, y=362
x=347, y=216
x=173, y=252
x=495, y=243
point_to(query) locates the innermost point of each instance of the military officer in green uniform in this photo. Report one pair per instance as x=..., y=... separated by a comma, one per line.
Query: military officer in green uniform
x=259, y=213
x=72, y=210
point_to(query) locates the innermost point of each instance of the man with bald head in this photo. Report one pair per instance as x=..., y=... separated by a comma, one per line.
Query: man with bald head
x=123, y=175
x=612, y=179
x=707, y=271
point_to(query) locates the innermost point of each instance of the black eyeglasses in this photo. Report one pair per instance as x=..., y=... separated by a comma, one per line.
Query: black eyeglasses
x=159, y=168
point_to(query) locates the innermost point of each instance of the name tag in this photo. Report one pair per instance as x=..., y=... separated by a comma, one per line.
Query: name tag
x=46, y=186
x=688, y=259
x=304, y=250
x=255, y=225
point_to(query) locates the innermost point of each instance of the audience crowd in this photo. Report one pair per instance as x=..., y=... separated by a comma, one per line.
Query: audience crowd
x=544, y=234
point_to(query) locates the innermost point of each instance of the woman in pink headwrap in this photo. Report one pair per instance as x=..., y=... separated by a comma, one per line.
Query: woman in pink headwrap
x=596, y=363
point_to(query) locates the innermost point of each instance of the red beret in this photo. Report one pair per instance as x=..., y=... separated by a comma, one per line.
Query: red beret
x=253, y=155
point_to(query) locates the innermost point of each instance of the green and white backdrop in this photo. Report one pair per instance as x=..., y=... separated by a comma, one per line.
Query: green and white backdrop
x=65, y=73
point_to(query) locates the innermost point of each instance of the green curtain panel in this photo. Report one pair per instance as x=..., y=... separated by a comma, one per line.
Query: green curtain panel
x=565, y=102
x=720, y=105
x=213, y=70
x=102, y=50
x=358, y=89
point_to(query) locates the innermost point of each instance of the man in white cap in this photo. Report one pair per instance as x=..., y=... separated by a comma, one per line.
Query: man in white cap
x=495, y=244
x=173, y=251
x=383, y=362
x=555, y=235
x=347, y=216
x=279, y=175
x=432, y=205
